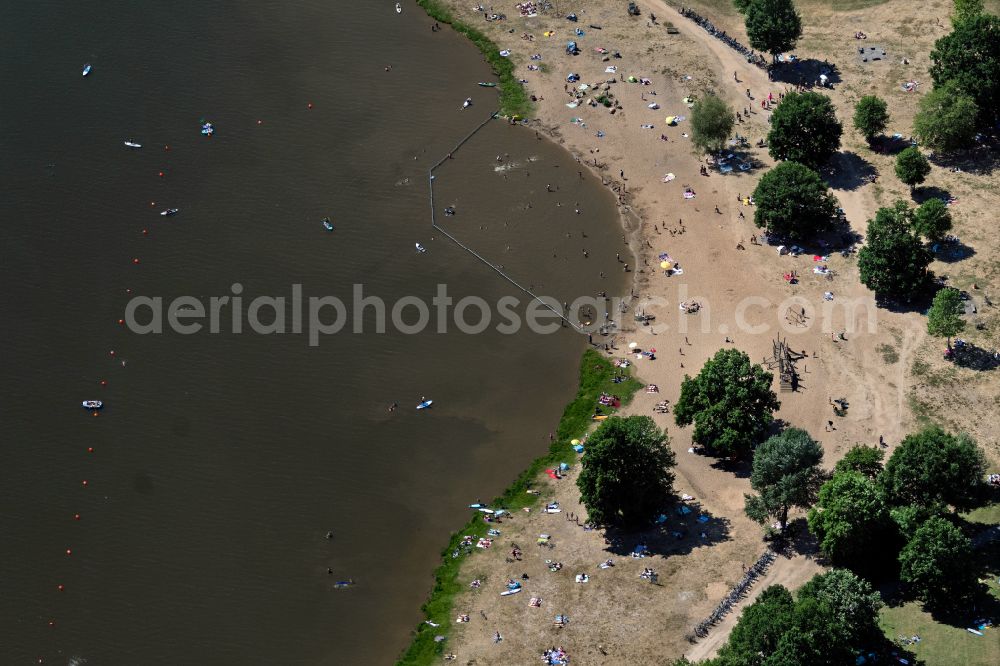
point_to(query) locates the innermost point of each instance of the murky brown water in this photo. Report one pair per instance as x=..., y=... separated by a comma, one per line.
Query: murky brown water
x=221, y=460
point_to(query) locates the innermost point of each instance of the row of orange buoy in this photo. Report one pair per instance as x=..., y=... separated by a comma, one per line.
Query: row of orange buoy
x=61, y=587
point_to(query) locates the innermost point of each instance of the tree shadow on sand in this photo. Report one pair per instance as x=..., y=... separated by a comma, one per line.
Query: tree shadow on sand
x=980, y=161
x=797, y=540
x=951, y=250
x=805, y=72
x=967, y=355
x=687, y=527
x=848, y=171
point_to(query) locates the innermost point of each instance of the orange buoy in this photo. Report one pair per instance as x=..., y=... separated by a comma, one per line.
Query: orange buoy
x=95, y=413
x=104, y=382
x=152, y=203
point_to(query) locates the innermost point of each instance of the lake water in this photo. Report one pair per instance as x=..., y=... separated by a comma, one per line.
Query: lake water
x=221, y=460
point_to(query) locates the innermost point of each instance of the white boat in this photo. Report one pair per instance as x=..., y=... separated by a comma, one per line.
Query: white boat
x=421, y=248
x=327, y=224
x=129, y=143
x=92, y=404
x=86, y=69
x=467, y=103
x=399, y=8
x=425, y=404
x=170, y=211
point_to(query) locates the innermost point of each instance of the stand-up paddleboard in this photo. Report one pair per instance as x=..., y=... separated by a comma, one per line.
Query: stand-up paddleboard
x=425, y=404
x=86, y=69
x=507, y=593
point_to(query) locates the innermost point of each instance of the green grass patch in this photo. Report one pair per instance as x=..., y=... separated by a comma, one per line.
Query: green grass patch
x=987, y=515
x=940, y=644
x=921, y=411
x=513, y=97
x=843, y=5
x=596, y=375
x=889, y=353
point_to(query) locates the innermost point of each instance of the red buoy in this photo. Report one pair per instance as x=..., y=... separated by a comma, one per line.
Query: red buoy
x=121, y=322
x=85, y=482
x=90, y=449
x=104, y=382
x=161, y=174
x=309, y=105
x=166, y=147
x=260, y=122
x=112, y=352
x=145, y=232
x=61, y=587
x=128, y=291
x=76, y=516
x=135, y=260
x=69, y=551
x=152, y=203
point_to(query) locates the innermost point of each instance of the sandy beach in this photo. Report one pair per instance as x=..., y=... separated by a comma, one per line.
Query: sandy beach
x=872, y=362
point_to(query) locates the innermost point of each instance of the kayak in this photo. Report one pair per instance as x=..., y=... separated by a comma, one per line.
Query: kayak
x=487, y=84
x=425, y=404
x=132, y=144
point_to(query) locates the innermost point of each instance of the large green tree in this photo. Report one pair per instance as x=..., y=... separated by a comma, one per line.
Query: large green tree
x=871, y=117
x=711, y=123
x=832, y=618
x=946, y=119
x=935, y=469
x=970, y=58
x=730, y=403
x=932, y=220
x=944, y=318
x=912, y=167
x=854, y=602
x=793, y=202
x=773, y=26
x=760, y=627
x=893, y=262
x=965, y=9
x=804, y=129
x=936, y=563
x=860, y=458
x=626, y=473
x=851, y=521
x=786, y=473
x=742, y=5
